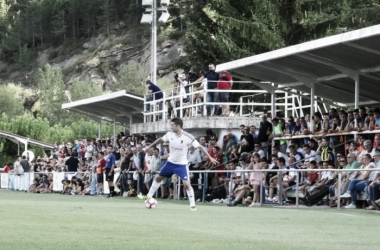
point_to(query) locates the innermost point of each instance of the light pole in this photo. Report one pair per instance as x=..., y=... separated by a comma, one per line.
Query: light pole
x=150, y=17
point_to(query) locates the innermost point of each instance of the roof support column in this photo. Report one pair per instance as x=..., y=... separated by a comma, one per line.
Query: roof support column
x=312, y=106
x=100, y=130
x=273, y=103
x=114, y=131
x=18, y=148
x=130, y=124
x=357, y=90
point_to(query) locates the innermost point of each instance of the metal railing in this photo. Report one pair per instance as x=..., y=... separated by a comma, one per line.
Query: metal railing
x=174, y=98
x=248, y=171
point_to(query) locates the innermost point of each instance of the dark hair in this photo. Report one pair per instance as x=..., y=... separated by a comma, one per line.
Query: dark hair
x=282, y=160
x=177, y=121
x=101, y=153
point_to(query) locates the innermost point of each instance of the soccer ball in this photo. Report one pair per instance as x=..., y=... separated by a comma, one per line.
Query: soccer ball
x=151, y=203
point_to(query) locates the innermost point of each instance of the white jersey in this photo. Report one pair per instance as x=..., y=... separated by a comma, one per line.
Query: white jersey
x=179, y=145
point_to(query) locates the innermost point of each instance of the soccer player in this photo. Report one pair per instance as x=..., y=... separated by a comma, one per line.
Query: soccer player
x=110, y=165
x=179, y=142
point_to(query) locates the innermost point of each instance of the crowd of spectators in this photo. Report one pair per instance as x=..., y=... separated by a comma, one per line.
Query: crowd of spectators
x=273, y=145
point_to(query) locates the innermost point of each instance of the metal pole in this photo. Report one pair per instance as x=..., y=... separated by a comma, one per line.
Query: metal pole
x=100, y=129
x=297, y=188
x=273, y=104
x=130, y=124
x=357, y=90
x=338, y=194
x=18, y=148
x=261, y=188
x=154, y=41
x=114, y=131
x=312, y=102
x=204, y=186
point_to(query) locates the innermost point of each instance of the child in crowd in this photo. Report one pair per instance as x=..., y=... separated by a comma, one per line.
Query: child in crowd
x=132, y=190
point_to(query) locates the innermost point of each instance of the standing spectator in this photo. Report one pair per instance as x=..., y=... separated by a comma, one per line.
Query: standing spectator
x=224, y=83
x=18, y=171
x=212, y=79
x=246, y=140
x=165, y=183
x=138, y=158
x=153, y=91
x=194, y=158
x=25, y=178
x=109, y=168
x=278, y=132
x=101, y=164
x=265, y=130
x=89, y=149
x=72, y=164
x=94, y=190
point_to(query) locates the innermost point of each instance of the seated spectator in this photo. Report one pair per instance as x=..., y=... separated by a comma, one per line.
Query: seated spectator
x=326, y=178
x=358, y=185
x=292, y=152
x=310, y=177
x=325, y=151
x=367, y=149
x=372, y=189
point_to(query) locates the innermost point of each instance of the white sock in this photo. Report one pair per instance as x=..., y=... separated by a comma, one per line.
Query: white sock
x=190, y=195
x=153, y=188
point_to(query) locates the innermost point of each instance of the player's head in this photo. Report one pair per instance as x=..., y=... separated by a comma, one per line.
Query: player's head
x=176, y=123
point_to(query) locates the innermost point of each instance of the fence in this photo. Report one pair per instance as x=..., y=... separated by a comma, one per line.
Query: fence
x=6, y=180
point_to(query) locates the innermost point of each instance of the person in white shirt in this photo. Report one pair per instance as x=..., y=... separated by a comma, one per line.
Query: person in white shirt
x=311, y=155
x=149, y=165
x=179, y=142
x=280, y=154
x=368, y=149
x=194, y=158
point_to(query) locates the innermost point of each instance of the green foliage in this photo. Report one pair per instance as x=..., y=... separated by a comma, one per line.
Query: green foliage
x=10, y=103
x=83, y=89
x=52, y=94
x=131, y=79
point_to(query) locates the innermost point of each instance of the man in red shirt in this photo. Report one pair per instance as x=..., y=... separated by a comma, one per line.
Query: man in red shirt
x=99, y=171
x=7, y=168
x=224, y=83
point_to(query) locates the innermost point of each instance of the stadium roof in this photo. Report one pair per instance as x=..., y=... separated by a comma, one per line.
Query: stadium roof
x=18, y=138
x=119, y=106
x=332, y=64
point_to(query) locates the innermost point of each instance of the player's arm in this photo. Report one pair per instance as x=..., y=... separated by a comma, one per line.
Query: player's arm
x=212, y=160
x=158, y=141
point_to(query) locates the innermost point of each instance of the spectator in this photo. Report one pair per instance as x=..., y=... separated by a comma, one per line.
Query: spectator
x=368, y=149
x=194, y=158
x=212, y=79
x=153, y=92
x=358, y=185
x=246, y=140
x=72, y=164
x=225, y=83
x=265, y=130
x=100, y=166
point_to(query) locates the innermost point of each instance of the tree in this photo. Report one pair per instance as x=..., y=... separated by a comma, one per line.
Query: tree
x=82, y=90
x=52, y=94
x=131, y=79
x=10, y=104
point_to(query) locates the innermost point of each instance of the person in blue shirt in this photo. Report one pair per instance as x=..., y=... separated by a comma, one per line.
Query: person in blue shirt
x=153, y=93
x=110, y=166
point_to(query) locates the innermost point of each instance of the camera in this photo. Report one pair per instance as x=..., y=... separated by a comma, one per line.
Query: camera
x=192, y=76
x=176, y=76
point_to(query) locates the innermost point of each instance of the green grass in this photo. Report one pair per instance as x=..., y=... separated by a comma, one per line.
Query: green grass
x=52, y=221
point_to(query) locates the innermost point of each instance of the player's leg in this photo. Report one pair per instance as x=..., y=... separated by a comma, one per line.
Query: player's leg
x=155, y=185
x=166, y=171
x=183, y=172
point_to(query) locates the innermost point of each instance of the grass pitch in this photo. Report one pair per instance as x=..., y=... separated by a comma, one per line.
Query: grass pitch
x=53, y=221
